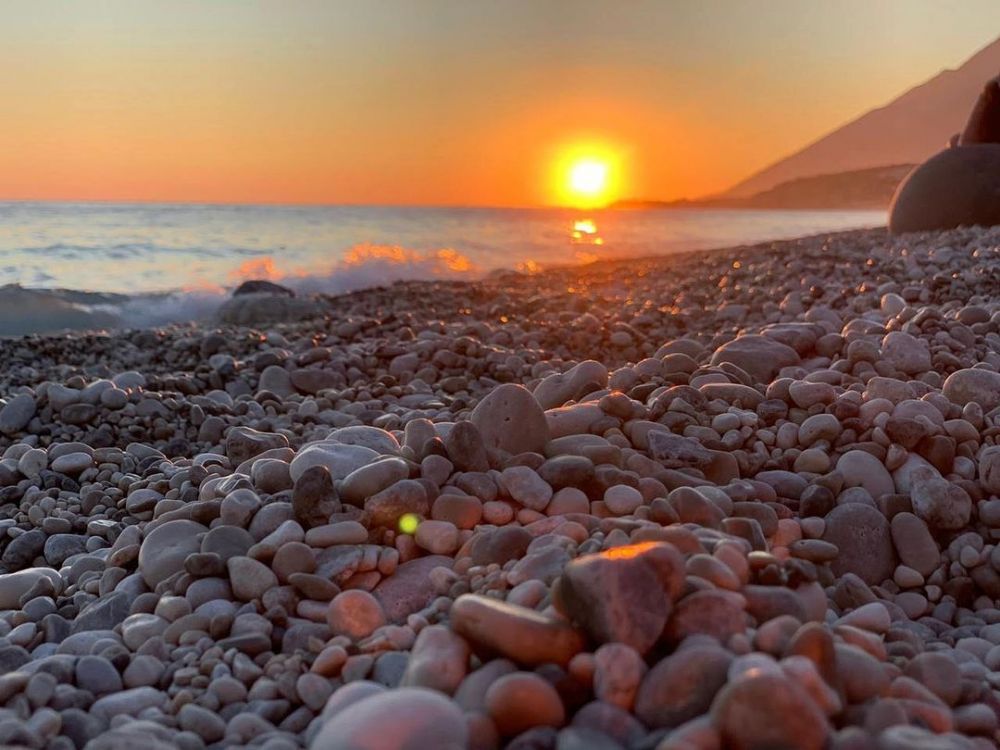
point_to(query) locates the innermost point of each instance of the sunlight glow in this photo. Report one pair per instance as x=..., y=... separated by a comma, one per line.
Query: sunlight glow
x=588, y=175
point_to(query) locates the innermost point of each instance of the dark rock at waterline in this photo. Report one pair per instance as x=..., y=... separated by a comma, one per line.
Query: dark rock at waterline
x=262, y=286
x=957, y=187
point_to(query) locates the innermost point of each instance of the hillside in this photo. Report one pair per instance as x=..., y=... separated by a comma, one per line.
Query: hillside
x=907, y=130
x=859, y=189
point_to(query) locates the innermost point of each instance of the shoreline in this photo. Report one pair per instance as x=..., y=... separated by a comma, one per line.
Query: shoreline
x=740, y=497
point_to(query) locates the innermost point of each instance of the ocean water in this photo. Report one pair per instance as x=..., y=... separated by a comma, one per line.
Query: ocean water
x=191, y=254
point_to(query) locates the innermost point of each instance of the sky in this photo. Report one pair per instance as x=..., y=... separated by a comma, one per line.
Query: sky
x=444, y=102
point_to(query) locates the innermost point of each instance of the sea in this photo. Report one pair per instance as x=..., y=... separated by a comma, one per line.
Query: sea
x=181, y=259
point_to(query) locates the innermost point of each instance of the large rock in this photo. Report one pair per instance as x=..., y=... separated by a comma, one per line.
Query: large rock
x=262, y=286
x=510, y=418
x=759, y=356
x=959, y=186
x=622, y=595
x=863, y=537
x=973, y=385
x=256, y=308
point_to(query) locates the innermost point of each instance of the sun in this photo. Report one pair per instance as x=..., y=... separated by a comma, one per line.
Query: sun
x=588, y=178
x=587, y=174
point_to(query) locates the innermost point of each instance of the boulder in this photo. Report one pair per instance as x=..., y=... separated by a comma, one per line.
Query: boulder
x=957, y=187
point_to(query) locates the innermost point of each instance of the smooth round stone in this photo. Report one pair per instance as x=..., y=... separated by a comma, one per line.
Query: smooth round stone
x=249, y=578
x=819, y=427
x=618, y=670
x=938, y=673
x=861, y=469
x=716, y=613
x=227, y=541
x=862, y=536
x=164, y=550
x=439, y=660
x=682, y=686
x=72, y=463
x=374, y=438
x=369, y=480
x=521, y=701
x=437, y=537
x=206, y=724
x=355, y=613
x=906, y=353
x=97, y=675
x=763, y=710
x=622, y=500
x=973, y=385
x=526, y=487
x=339, y=459
x=16, y=413
x=15, y=585
x=941, y=504
x=510, y=419
x=400, y=719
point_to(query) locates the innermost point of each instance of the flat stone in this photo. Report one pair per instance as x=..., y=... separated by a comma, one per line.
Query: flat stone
x=519, y=633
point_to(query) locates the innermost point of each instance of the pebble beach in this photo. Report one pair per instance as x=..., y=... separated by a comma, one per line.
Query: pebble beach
x=746, y=498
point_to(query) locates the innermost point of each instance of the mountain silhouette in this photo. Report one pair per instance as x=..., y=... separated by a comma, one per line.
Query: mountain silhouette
x=907, y=130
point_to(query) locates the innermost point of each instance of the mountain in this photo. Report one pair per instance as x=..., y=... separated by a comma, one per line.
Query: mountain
x=870, y=188
x=907, y=130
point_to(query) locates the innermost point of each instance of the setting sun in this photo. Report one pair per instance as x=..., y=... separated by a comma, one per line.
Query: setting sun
x=588, y=178
x=588, y=175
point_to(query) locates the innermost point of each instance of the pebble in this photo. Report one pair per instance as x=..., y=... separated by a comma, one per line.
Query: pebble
x=520, y=701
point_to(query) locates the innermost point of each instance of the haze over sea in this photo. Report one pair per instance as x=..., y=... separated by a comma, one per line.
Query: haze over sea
x=198, y=252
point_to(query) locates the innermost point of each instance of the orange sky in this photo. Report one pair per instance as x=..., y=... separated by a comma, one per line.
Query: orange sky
x=441, y=101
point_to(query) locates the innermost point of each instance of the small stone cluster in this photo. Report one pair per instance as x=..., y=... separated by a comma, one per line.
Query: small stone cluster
x=748, y=498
